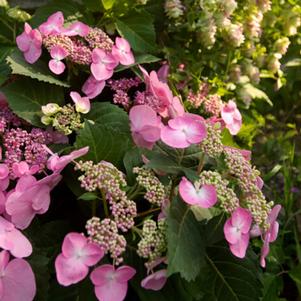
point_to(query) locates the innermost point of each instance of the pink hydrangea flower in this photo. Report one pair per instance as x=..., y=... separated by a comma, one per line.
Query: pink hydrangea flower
x=232, y=117
x=17, y=281
x=76, y=29
x=155, y=281
x=82, y=104
x=53, y=25
x=183, y=131
x=30, y=43
x=11, y=239
x=4, y=176
x=271, y=234
x=78, y=254
x=236, y=230
x=111, y=284
x=122, y=52
x=21, y=168
x=56, y=65
x=103, y=64
x=57, y=164
x=93, y=87
x=163, y=73
x=30, y=197
x=193, y=194
x=145, y=126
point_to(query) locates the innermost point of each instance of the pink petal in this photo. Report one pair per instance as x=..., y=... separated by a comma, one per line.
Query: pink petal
x=20, y=168
x=72, y=243
x=92, y=254
x=155, y=281
x=18, y=281
x=69, y=270
x=163, y=73
x=40, y=198
x=141, y=142
x=4, y=171
x=82, y=104
x=174, y=138
x=274, y=213
x=122, y=44
x=77, y=28
x=102, y=274
x=265, y=250
x=125, y=58
x=23, y=41
x=2, y=202
x=239, y=249
x=93, y=87
x=100, y=71
x=57, y=67
x=58, y=52
x=32, y=54
x=125, y=273
x=141, y=116
x=53, y=25
x=231, y=233
x=150, y=133
x=274, y=231
x=25, y=182
x=242, y=218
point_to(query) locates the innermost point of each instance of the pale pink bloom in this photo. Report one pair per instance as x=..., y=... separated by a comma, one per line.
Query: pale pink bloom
x=76, y=28
x=57, y=164
x=183, y=131
x=30, y=197
x=4, y=176
x=145, y=126
x=194, y=194
x=103, y=64
x=82, y=104
x=78, y=254
x=56, y=65
x=17, y=281
x=232, y=117
x=236, y=230
x=11, y=239
x=53, y=25
x=93, y=87
x=111, y=284
x=155, y=281
x=30, y=43
x=271, y=234
x=259, y=182
x=122, y=52
x=22, y=168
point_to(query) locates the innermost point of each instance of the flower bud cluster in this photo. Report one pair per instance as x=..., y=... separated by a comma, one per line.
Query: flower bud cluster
x=64, y=119
x=226, y=195
x=247, y=177
x=110, y=181
x=155, y=190
x=212, y=145
x=153, y=243
x=174, y=9
x=105, y=234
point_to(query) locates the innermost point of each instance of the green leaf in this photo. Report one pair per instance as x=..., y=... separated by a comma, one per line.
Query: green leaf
x=18, y=14
x=110, y=115
x=26, y=96
x=105, y=142
x=296, y=62
x=139, y=30
x=132, y=158
x=4, y=68
x=88, y=196
x=37, y=71
x=139, y=60
x=72, y=11
x=228, y=278
x=108, y=4
x=256, y=93
x=186, y=248
x=272, y=287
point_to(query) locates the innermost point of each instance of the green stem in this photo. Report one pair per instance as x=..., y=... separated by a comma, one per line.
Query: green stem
x=104, y=203
x=201, y=163
x=148, y=212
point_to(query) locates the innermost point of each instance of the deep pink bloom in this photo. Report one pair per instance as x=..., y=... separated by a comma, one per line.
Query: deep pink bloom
x=93, y=87
x=17, y=281
x=232, y=117
x=183, y=131
x=271, y=234
x=53, y=25
x=103, y=64
x=122, y=52
x=145, y=126
x=30, y=197
x=57, y=53
x=111, y=284
x=78, y=254
x=4, y=176
x=82, y=104
x=193, y=194
x=21, y=168
x=30, y=43
x=11, y=239
x=155, y=281
x=57, y=164
x=236, y=230
x=76, y=29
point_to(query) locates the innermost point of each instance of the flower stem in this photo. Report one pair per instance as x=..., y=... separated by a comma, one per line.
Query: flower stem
x=104, y=203
x=148, y=212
